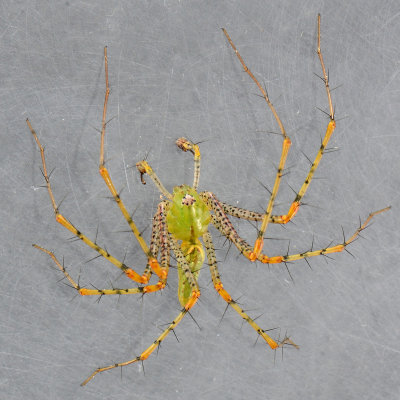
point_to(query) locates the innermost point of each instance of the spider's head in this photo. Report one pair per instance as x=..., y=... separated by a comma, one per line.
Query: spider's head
x=188, y=216
x=188, y=200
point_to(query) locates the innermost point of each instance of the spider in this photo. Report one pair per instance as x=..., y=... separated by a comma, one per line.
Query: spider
x=183, y=217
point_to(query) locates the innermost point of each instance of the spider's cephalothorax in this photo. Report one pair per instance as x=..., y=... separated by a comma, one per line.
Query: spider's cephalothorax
x=188, y=216
x=184, y=217
x=187, y=219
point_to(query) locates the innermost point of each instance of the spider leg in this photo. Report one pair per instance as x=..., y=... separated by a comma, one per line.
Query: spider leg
x=212, y=262
x=96, y=292
x=249, y=215
x=154, y=243
x=221, y=221
x=159, y=239
x=187, y=145
x=155, y=266
x=328, y=250
x=329, y=131
x=191, y=302
x=258, y=245
x=143, y=356
x=164, y=236
x=67, y=224
x=262, y=90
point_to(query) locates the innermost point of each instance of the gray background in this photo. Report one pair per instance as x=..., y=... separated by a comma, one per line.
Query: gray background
x=173, y=74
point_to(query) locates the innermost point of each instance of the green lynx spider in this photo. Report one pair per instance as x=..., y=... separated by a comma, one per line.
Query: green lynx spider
x=183, y=217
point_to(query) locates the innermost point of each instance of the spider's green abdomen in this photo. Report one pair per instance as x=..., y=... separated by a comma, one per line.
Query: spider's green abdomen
x=188, y=216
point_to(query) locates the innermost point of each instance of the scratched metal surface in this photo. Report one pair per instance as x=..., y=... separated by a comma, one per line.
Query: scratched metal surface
x=172, y=74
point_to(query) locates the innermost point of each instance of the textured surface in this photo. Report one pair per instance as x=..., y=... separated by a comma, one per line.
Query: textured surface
x=173, y=74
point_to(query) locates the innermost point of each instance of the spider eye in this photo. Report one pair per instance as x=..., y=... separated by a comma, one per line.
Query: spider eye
x=188, y=200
